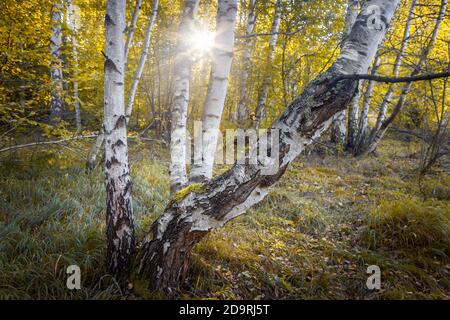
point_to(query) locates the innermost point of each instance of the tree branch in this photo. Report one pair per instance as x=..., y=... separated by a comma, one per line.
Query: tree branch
x=376, y=78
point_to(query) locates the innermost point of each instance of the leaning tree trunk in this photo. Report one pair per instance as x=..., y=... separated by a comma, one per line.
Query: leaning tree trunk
x=119, y=213
x=56, y=73
x=267, y=81
x=201, y=208
x=243, y=108
x=382, y=124
x=222, y=56
x=72, y=24
x=339, y=128
x=182, y=72
x=142, y=60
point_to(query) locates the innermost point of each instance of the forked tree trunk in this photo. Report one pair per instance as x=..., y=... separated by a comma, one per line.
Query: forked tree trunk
x=339, y=127
x=56, y=73
x=119, y=213
x=383, y=123
x=199, y=209
x=267, y=81
x=182, y=72
x=243, y=108
x=222, y=56
x=72, y=24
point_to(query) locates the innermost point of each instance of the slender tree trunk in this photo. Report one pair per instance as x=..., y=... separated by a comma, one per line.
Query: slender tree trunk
x=182, y=72
x=196, y=211
x=142, y=60
x=267, y=81
x=72, y=24
x=217, y=88
x=339, y=128
x=382, y=123
x=243, y=108
x=363, y=121
x=131, y=29
x=119, y=213
x=56, y=74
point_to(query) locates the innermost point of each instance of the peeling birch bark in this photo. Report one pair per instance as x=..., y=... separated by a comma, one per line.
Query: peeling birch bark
x=119, y=211
x=200, y=208
x=222, y=56
x=182, y=72
x=56, y=73
x=339, y=128
x=267, y=81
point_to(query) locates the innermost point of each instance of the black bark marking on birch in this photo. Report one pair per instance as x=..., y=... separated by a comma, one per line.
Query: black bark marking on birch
x=121, y=122
x=109, y=20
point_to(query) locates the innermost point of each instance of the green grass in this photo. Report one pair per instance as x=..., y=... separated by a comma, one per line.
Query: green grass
x=312, y=238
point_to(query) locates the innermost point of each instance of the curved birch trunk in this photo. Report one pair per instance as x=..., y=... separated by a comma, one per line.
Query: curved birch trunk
x=339, y=128
x=382, y=123
x=222, y=56
x=72, y=24
x=119, y=213
x=200, y=208
x=243, y=108
x=182, y=72
x=267, y=81
x=56, y=74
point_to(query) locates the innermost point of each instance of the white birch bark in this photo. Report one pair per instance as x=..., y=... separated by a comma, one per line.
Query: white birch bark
x=222, y=55
x=182, y=72
x=142, y=60
x=119, y=213
x=243, y=108
x=339, y=128
x=267, y=81
x=131, y=29
x=56, y=73
x=382, y=123
x=164, y=256
x=72, y=24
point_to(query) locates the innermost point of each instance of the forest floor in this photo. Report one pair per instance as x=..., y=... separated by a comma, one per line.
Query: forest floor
x=313, y=237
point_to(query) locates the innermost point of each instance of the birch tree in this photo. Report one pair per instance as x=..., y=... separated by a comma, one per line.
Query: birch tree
x=182, y=72
x=119, y=213
x=56, y=72
x=264, y=91
x=339, y=128
x=72, y=24
x=200, y=208
x=382, y=123
x=243, y=108
x=96, y=147
x=222, y=56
